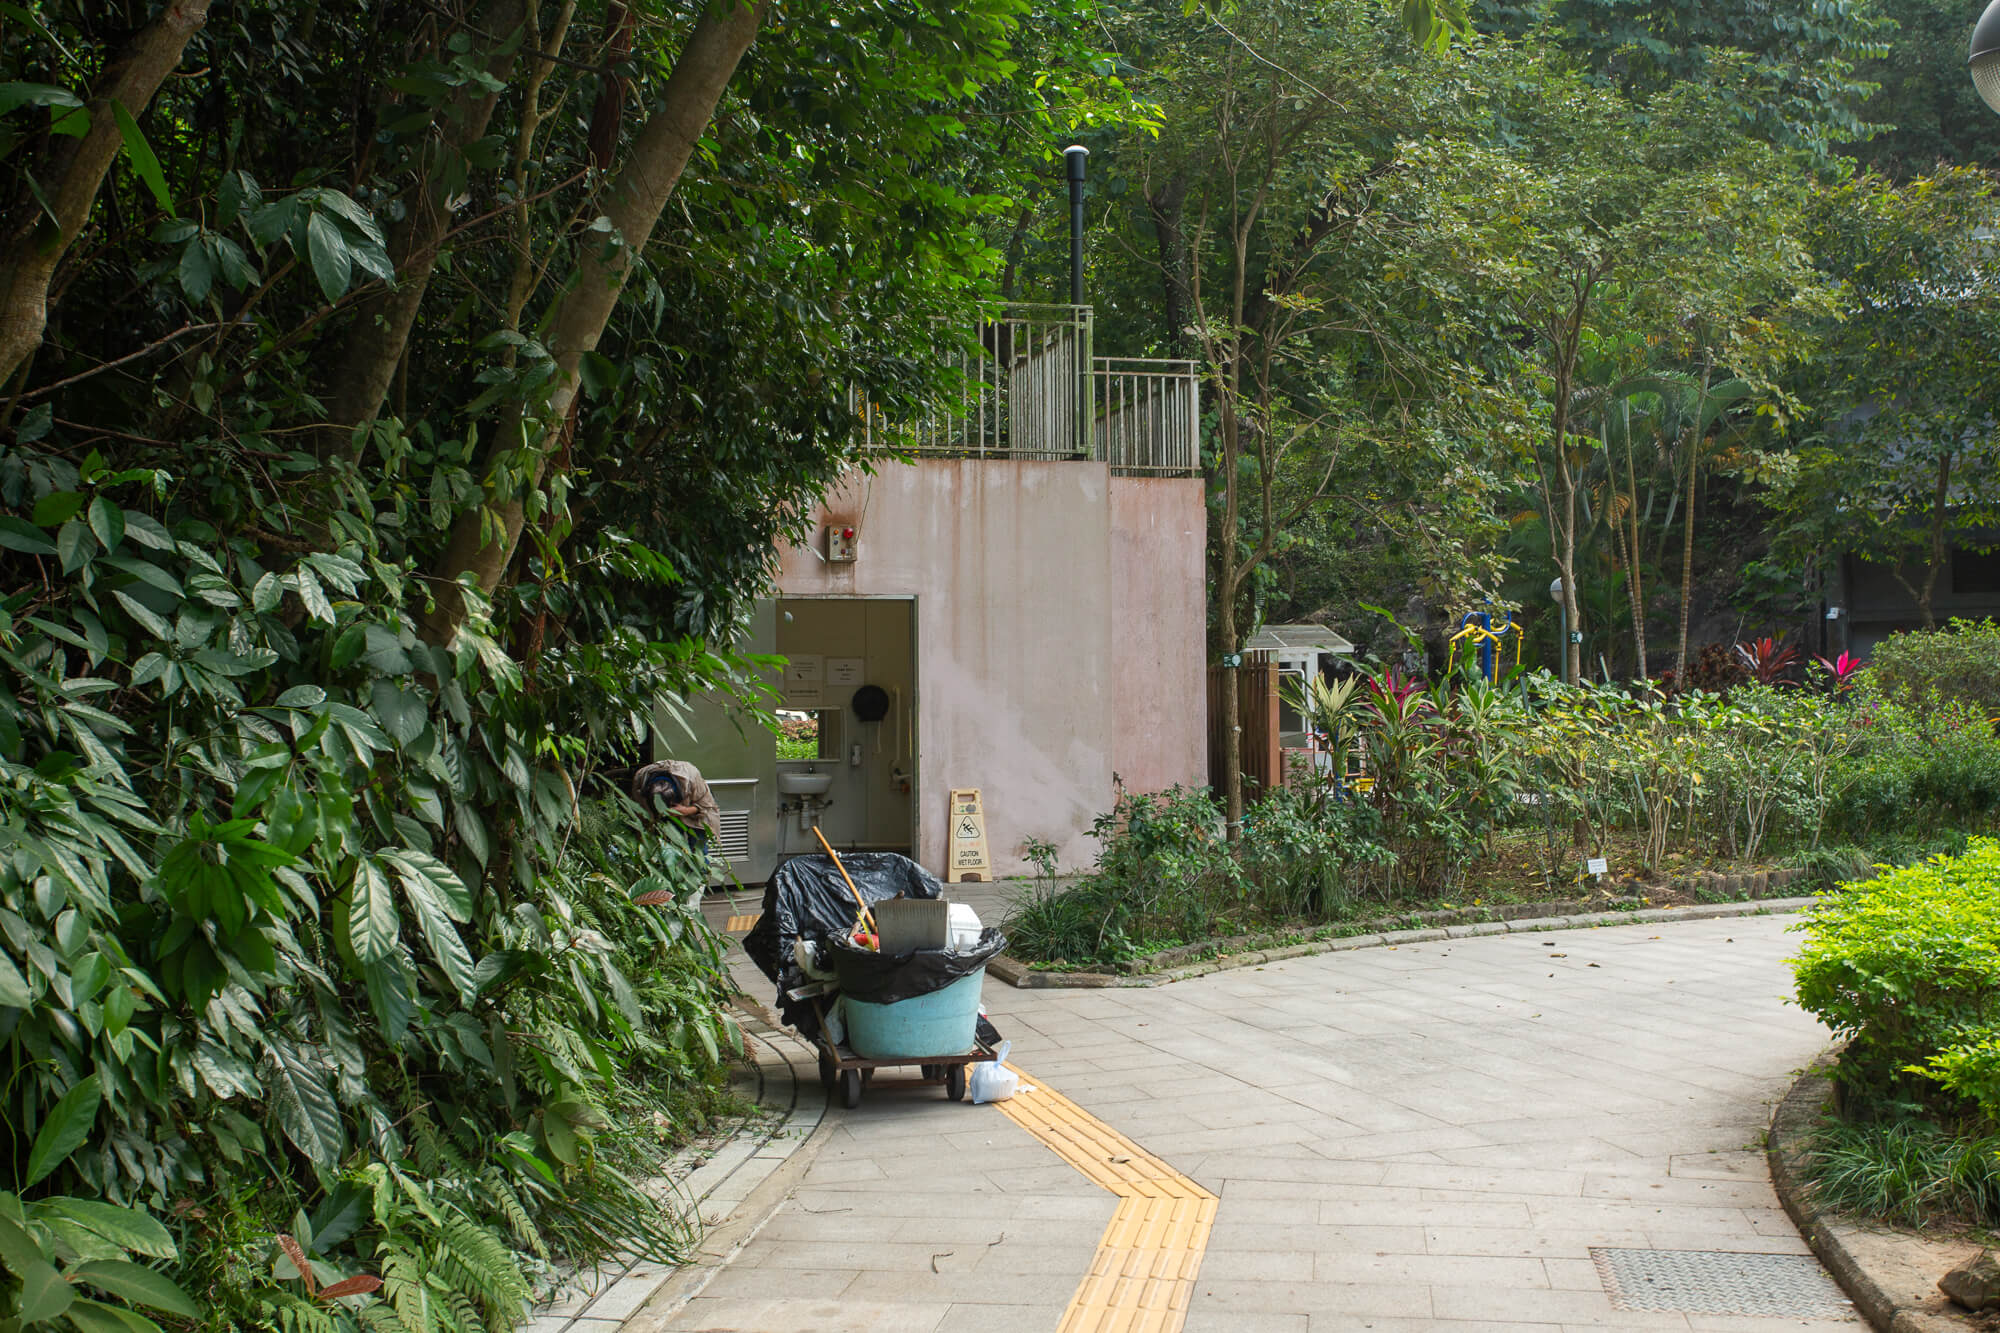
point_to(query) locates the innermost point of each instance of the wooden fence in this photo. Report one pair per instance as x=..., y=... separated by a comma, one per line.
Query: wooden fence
x=1257, y=701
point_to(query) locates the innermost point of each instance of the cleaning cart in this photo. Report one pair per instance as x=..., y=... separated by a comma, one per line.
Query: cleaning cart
x=840, y=1067
x=911, y=1003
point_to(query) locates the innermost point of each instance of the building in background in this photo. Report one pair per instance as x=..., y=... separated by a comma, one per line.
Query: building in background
x=1016, y=606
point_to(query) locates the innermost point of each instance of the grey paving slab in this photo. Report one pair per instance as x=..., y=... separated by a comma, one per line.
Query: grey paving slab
x=1427, y=1137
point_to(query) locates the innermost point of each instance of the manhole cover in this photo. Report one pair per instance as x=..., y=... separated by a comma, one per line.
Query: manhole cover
x=1718, y=1282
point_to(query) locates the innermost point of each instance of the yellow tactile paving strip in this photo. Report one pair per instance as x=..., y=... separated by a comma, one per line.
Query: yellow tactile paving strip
x=1144, y=1272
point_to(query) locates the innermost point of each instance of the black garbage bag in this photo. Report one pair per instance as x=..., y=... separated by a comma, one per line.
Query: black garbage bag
x=807, y=899
x=882, y=978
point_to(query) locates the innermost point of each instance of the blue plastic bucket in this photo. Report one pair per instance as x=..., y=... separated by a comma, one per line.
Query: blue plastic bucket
x=941, y=1023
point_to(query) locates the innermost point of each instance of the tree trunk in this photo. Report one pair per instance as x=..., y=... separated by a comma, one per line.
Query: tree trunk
x=632, y=207
x=1922, y=593
x=1623, y=559
x=74, y=175
x=1636, y=586
x=1229, y=638
x=1687, y=561
x=1165, y=208
x=1572, y=651
x=380, y=332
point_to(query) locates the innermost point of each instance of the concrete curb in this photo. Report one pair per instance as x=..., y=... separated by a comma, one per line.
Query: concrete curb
x=725, y=1240
x=1791, y=1128
x=1018, y=974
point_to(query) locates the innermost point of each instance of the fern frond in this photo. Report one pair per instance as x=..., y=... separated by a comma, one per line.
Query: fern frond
x=290, y=1314
x=474, y=1260
x=430, y=1148
x=404, y=1288
x=500, y=1191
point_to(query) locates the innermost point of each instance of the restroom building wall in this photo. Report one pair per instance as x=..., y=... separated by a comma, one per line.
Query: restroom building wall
x=1059, y=620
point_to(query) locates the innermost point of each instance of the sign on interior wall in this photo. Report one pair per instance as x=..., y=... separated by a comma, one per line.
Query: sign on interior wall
x=966, y=859
x=805, y=674
x=846, y=672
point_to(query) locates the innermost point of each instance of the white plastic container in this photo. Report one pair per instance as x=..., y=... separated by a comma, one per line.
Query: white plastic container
x=963, y=927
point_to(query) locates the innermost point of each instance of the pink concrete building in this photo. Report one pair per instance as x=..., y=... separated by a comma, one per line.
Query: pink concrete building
x=1016, y=604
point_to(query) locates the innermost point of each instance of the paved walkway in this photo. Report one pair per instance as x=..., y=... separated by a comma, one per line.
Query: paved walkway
x=1430, y=1137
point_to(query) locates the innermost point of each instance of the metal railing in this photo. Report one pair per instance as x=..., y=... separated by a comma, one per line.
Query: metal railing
x=1027, y=387
x=1023, y=390
x=1148, y=416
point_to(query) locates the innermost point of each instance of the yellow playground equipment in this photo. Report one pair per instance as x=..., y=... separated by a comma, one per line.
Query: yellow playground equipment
x=1478, y=627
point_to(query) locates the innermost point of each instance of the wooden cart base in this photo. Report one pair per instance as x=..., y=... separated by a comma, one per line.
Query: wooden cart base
x=842, y=1068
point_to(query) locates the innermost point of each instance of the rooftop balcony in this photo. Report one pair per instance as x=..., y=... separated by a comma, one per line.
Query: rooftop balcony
x=1032, y=388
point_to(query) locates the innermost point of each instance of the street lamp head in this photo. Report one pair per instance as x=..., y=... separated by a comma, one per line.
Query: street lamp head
x=1556, y=585
x=1984, y=58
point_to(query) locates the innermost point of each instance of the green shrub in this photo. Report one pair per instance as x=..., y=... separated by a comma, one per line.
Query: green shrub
x=1164, y=875
x=1957, y=664
x=315, y=908
x=1309, y=850
x=1971, y=1068
x=1903, y=966
x=1922, y=767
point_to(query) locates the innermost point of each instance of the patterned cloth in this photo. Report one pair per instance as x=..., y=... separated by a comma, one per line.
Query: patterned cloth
x=677, y=782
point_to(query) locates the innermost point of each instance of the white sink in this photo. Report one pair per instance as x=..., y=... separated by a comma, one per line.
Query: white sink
x=804, y=784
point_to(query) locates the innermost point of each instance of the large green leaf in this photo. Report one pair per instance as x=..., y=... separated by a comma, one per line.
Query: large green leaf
x=14, y=991
x=137, y=1284
x=18, y=1249
x=401, y=712
x=14, y=95
x=57, y=508
x=95, y=1317
x=18, y=534
x=331, y=263
x=305, y=1105
x=373, y=925
x=458, y=902
x=44, y=1294
x=144, y=163
x=65, y=1130
x=435, y=913
x=107, y=520
x=389, y=995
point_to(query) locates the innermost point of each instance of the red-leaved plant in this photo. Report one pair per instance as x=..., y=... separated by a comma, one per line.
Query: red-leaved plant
x=1769, y=661
x=1841, y=671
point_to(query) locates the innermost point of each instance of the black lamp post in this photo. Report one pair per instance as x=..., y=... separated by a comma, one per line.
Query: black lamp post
x=1074, y=157
x=1984, y=58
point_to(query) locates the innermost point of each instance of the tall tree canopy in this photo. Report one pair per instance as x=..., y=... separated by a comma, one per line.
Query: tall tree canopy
x=400, y=399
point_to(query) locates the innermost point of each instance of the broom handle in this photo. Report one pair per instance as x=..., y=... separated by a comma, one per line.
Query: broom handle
x=867, y=917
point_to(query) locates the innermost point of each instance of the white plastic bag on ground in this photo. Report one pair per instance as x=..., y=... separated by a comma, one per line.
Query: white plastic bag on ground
x=991, y=1080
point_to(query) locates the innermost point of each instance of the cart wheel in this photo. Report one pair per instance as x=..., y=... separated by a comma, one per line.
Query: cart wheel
x=867, y=1077
x=954, y=1082
x=828, y=1075
x=930, y=1073
x=850, y=1088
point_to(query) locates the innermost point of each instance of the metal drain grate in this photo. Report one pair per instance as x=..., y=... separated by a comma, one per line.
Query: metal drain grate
x=1718, y=1282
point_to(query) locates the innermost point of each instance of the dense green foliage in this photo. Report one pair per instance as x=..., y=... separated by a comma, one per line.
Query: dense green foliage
x=1907, y=1172
x=1907, y=967
x=1436, y=779
x=341, y=547
x=1960, y=664
x=399, y=403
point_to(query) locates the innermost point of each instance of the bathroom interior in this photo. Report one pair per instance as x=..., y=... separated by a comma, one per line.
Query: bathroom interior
x=847, y=762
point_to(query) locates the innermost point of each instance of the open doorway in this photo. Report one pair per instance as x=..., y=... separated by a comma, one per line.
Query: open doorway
x=848, y=715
